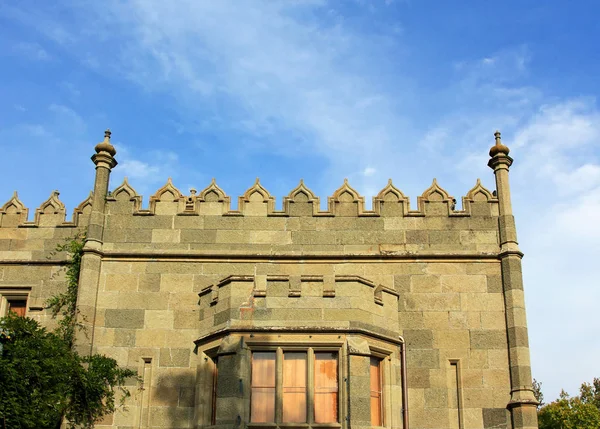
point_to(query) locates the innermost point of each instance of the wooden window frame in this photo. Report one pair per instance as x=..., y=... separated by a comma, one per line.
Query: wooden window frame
x=310, y=384
x=380, y=386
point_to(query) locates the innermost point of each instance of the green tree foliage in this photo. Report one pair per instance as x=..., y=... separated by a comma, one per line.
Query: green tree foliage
x=579, y=412
x=537, y=392
x=43, y=380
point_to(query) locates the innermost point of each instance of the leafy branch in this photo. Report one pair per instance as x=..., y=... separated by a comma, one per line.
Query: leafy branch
x=65, y=303
x=44, y=380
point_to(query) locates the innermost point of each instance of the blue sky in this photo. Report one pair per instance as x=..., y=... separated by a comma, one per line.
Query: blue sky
x=324, y=90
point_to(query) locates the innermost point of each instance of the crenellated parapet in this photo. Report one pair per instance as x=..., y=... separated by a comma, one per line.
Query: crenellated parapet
x=81, y=214
x=205, y=221
x=51, y=213
x=257, y=201
x=13, y=212
x=477, y=201
x=124, y=199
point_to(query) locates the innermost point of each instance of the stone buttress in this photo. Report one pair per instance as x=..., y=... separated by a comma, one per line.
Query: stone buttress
x=523, y=404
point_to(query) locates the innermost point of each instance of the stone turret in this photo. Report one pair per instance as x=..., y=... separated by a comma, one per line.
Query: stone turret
x=105, y=162
x=522, y=402
x=91, y=261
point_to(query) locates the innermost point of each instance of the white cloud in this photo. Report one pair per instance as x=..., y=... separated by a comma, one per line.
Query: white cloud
x=556, y=195
x=71, y=89
x=136, y=169
x=32, y=51
x=580, y=220
x=146, y=172
x=68, y=117
x=561, y=126
x=369, y=171
x=555, y=182
x=284, y=72
x=36, y=130
x=582, y=179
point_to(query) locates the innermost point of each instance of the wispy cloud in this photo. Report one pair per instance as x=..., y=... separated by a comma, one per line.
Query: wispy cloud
x=369, y=171
x=69, y=117
x=32, y=51
x=71, y=89
x=556, y=189
x=269, y=68
x=146, y=171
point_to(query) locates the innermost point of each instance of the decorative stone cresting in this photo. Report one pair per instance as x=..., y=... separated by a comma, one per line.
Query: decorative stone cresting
x=51, y=212
x=160, y=202
x=213, y=193
x=13, y=212
x=81, y=214
x=477, y=199
x=256, y=201
x=127, y=199
x=301, y=202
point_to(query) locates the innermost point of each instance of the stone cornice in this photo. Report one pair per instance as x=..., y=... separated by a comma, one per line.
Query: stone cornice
x=312, y=256
x=293, y=330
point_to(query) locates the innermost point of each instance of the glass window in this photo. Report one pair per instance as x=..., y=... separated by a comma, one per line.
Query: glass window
x=18, y=306
x=326, y=387
x=263, y=387
x=294, y=387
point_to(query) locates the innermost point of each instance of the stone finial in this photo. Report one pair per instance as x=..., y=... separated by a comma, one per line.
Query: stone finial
x=105, y=145
x=498, y=147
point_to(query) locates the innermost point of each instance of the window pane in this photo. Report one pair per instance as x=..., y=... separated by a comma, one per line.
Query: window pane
x=326, y=387
x=375, y=371
x=18, y=306
x=263, y=387
x=294, y=387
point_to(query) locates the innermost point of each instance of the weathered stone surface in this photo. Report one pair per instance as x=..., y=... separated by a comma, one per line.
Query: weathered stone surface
x=488, y=339
x=419, y=339
x=174, y=357
x=494, y=418
x=131, y=319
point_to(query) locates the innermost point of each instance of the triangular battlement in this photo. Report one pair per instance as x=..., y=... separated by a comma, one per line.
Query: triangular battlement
x=256, y=201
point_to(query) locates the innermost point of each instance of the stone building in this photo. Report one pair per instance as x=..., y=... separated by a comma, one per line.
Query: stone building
x=400, y=316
